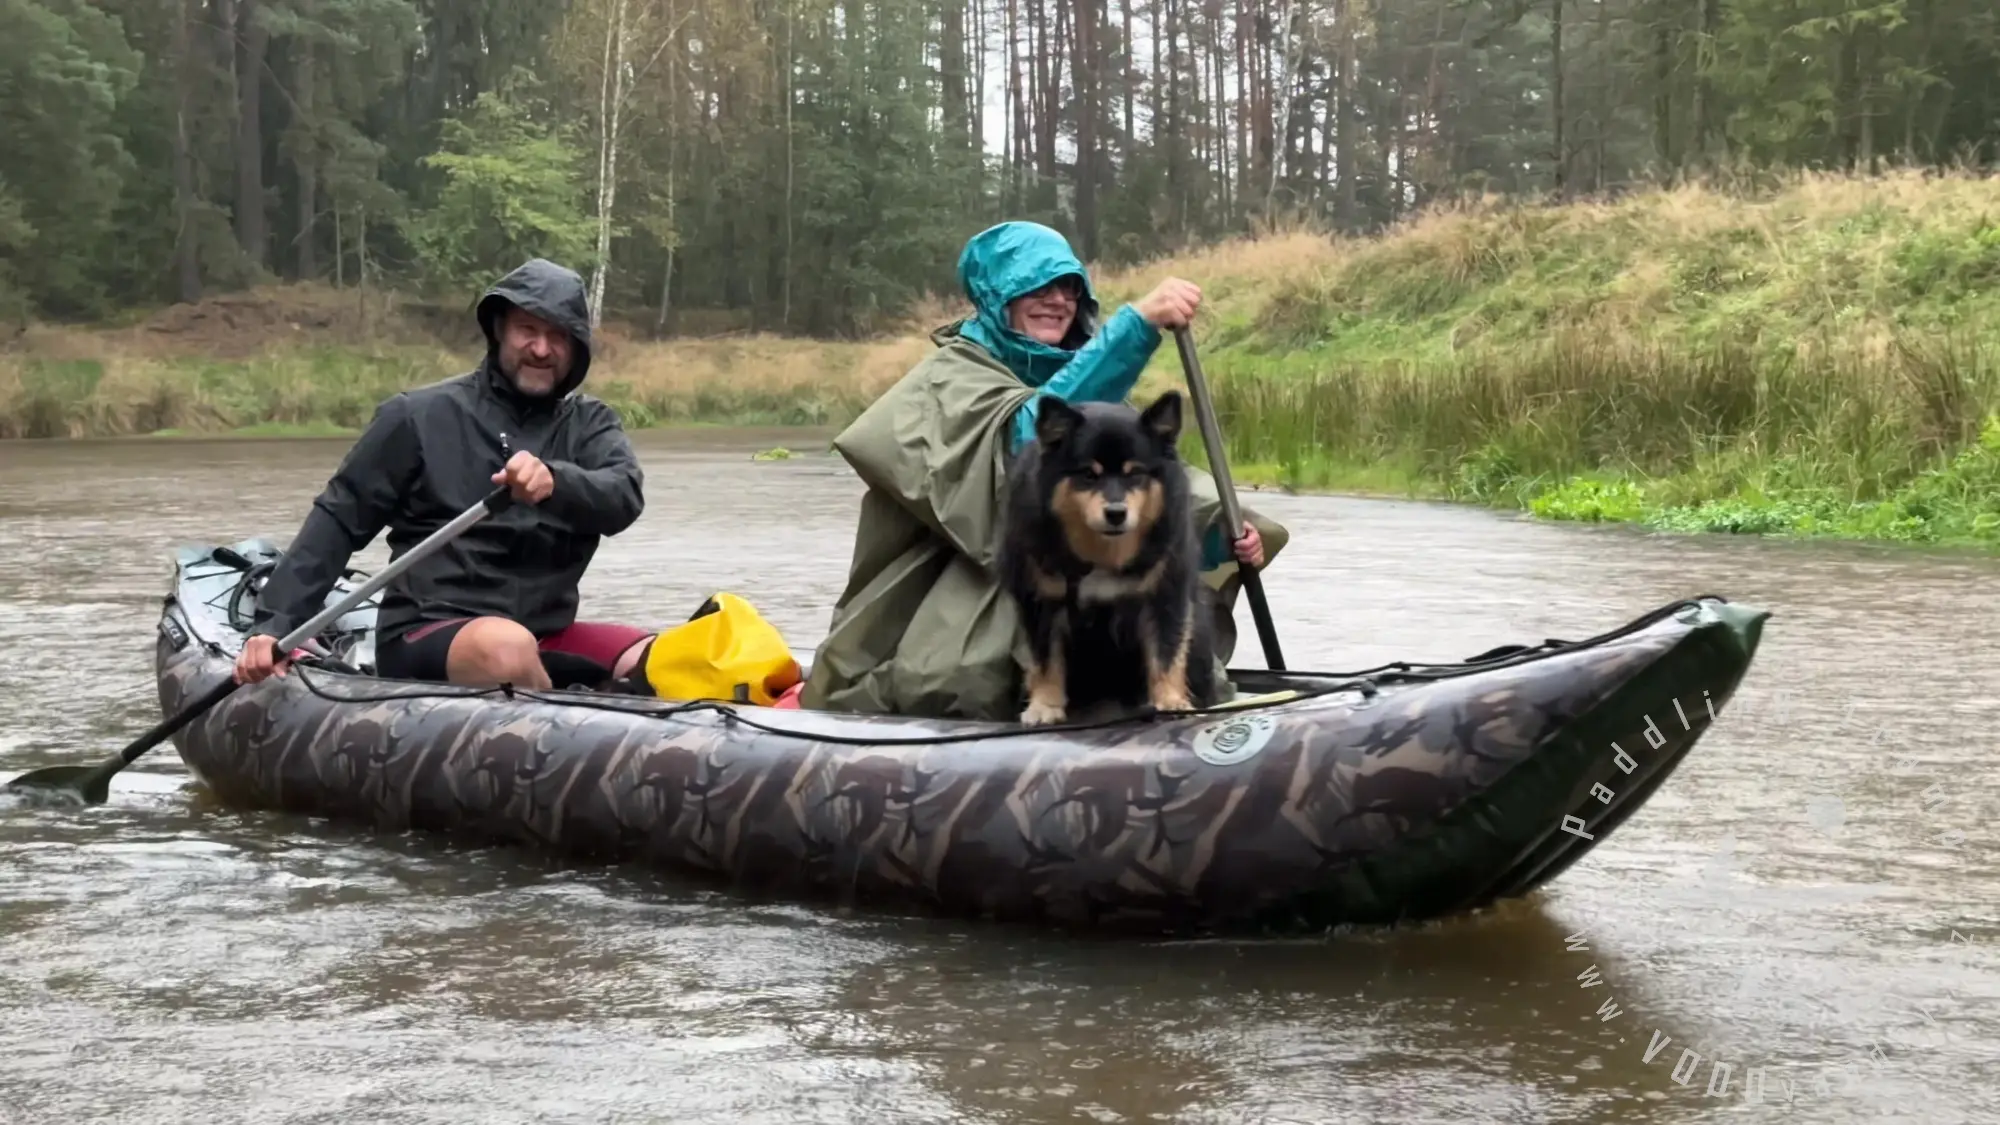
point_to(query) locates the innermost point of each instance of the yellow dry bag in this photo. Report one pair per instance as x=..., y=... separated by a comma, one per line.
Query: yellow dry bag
x=725, y=651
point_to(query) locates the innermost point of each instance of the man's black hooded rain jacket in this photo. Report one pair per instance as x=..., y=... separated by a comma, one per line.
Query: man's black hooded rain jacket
x=430, y=453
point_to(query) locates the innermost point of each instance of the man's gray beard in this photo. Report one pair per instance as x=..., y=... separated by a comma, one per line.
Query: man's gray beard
x=514, y=377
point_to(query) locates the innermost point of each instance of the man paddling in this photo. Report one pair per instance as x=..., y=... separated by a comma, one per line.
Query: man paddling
x=484, y=609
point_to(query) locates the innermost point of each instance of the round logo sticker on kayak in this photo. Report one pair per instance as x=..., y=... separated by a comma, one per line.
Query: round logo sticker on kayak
x=1234, y=740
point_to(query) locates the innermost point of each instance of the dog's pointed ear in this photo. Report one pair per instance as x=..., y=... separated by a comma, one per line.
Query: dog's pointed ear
x=1163, y=418
x=1055, y=421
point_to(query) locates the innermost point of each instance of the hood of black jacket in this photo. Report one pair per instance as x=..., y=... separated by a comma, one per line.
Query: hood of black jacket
x=552, y=292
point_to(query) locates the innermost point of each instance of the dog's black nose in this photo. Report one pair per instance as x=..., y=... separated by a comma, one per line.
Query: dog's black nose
x=1114, y=514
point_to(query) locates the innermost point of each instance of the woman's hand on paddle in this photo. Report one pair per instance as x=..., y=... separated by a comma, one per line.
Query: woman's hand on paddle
x=257, y=660
x=1250, y=548
x=1171, y=304
x=527, y=477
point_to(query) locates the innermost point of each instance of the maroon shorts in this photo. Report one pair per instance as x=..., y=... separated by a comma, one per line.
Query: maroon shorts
x=420, y=653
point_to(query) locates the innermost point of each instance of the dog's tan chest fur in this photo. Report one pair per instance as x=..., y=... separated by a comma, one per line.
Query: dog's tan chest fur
x=1101, y=585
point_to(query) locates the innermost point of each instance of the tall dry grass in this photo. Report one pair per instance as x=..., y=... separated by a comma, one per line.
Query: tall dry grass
x=1506, y=426
x=1828, y=260
x=116, y=391
x=1789, y=304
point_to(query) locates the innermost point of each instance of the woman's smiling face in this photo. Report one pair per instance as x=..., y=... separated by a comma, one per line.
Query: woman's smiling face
x=1044, y=315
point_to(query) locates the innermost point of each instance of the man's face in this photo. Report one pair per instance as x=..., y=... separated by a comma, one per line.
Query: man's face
x=534, y=353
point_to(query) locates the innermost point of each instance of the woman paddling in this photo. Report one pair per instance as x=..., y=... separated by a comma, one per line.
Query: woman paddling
x=922, y=629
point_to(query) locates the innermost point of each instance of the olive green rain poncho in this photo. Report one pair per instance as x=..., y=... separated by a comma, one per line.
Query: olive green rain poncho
x=922, y=627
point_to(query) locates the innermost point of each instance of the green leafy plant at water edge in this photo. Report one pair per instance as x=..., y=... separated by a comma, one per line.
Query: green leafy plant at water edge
x=1750, y=516
x=1954, y=503
x=1959, y=501
x=1591, y=499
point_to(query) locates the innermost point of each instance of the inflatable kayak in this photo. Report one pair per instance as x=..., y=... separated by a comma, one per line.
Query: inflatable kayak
x=1312, y=800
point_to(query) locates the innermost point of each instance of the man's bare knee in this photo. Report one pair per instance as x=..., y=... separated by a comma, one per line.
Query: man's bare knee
x=623, y=664
x=494, y=650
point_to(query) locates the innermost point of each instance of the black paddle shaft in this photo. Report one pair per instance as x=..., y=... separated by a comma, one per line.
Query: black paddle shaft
x=165, y=728
x=1232, y=514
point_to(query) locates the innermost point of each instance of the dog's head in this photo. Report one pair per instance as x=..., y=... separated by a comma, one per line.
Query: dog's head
x=1106, y=466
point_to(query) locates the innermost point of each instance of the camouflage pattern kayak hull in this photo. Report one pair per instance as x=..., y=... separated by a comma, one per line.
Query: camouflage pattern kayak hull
x=1400, y=793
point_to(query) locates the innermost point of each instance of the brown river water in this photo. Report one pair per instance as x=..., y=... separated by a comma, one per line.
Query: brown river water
x=1803, y=925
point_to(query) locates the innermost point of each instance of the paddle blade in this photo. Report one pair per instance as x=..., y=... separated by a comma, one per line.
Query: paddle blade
x=64, y=785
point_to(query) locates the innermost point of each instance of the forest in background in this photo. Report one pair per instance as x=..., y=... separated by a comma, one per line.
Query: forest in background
x=1699, y=264
x=813, y=166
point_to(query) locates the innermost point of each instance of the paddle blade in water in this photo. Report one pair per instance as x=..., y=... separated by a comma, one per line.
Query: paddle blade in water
x=63, y=785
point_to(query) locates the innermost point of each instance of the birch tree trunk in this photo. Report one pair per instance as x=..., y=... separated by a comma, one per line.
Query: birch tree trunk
x=187, y=257
x=307, y=165
x=611, y=95
x=1281, y=87
x=673, y=156
x=785, y=313
x=1556, y=102
x=253, y=39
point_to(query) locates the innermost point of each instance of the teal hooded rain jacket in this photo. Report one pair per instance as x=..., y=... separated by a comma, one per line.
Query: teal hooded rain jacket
x=1006, y=261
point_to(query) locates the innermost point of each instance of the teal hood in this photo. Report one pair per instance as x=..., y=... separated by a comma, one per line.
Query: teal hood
x=1003, y=262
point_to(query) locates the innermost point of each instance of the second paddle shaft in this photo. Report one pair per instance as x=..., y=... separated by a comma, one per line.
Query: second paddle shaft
x=1225, y=488
x=1211, y=434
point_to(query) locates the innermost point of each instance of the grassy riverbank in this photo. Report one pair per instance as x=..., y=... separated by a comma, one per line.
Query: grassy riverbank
x=310, y=360
x=1812, y=356
x=334, y=389
x=1815, y=358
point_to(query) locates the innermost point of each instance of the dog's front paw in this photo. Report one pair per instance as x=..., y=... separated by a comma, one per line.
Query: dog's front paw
x=1171, y=699
x=1041, y=712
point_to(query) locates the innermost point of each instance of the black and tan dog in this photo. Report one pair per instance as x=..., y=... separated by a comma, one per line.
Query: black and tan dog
x=1098, y=549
